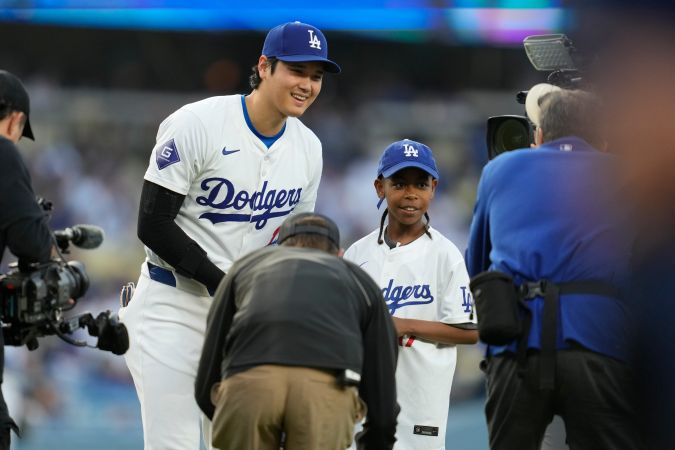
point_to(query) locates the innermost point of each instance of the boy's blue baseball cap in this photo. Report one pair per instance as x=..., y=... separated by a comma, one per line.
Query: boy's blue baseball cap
x=298, y=42
x=406, y=153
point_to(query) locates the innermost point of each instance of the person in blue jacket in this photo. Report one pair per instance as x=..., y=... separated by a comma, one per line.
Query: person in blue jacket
x=550, y=221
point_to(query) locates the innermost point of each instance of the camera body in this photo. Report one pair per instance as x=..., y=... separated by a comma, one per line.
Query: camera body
x=32, y=299
x=552, y=53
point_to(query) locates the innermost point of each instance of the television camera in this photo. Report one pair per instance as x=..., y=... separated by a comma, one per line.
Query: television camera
x=552, y=53
x=33, y=298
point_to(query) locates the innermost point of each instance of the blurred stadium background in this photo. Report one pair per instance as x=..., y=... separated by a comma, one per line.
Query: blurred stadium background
x=102, y=75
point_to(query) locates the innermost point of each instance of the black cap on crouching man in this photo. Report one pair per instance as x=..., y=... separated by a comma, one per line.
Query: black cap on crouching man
x=14, y=95
x=309, y=224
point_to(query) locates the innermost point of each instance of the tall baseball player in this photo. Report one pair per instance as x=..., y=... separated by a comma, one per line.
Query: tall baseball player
x=224, y=174
x=426, y=286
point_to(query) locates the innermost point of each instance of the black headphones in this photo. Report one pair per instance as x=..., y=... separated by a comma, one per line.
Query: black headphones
x=291, y=228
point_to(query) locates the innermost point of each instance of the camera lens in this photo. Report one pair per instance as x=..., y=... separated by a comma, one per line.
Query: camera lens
x=80, y=280
x=506, y=133
x=511, y=135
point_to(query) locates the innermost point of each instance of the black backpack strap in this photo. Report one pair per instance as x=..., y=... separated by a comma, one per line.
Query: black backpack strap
x=590, y=287
x=521, y=355
x=549, y=335
x=549, y=324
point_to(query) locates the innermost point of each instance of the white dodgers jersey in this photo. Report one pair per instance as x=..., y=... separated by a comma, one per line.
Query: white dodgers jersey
x=238, y=192
x=425, y=280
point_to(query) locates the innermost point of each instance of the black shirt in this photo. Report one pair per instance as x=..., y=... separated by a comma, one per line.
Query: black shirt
x=22, y=228
x=23, y=225
x=304, y=307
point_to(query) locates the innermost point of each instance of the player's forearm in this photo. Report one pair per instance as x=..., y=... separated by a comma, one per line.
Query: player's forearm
x=435, y=331
x=158, y=230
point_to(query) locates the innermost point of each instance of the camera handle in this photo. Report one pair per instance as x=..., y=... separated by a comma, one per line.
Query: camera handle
x=112, y=335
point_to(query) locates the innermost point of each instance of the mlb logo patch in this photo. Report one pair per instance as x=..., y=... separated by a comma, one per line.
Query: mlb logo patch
x=167, y=154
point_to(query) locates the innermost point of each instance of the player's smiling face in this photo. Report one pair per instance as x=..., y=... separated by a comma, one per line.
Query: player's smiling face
x=293, y=86
x=408, y=193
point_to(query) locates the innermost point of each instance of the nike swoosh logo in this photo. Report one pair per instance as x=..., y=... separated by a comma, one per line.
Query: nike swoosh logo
x=228, y=152
x=363, y=263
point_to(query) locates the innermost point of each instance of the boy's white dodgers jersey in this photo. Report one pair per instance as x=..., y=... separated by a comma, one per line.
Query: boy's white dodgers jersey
x=427, y=280
x=238, y=192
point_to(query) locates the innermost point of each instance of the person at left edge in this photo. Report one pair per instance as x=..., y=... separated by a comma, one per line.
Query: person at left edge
x=23, y=228
x=224, y=174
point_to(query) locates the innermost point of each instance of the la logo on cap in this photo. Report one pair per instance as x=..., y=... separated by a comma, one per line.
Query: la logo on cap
x=314, y=41
x=409, y=150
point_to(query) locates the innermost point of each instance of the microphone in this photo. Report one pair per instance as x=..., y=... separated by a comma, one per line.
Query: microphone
x=83, y=236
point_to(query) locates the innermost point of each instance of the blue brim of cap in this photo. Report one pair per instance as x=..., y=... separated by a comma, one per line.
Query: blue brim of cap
x=404, y=165
x=330, y=65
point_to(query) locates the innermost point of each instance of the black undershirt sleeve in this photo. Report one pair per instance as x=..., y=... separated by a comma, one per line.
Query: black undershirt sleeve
x=158, y=230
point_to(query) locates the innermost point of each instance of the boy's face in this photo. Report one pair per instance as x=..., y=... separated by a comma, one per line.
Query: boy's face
x=293, y=86
x=408, y=193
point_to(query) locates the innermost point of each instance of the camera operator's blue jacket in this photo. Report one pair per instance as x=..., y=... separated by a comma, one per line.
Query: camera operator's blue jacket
x=555, y=213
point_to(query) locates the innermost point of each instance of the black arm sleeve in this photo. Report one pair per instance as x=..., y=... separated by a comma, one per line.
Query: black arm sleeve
x=378, y=377
x=158, y=230
x=23, y=224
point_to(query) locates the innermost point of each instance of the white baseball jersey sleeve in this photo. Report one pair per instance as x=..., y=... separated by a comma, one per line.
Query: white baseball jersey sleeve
x=238, y=192
x=426, y=280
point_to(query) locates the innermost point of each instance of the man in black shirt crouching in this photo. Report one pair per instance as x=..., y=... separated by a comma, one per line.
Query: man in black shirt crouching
x=294, y=336
x=23, y=226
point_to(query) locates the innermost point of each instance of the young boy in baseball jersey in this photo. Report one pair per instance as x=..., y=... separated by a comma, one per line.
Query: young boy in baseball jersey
x=425, y=284
x=224, y=174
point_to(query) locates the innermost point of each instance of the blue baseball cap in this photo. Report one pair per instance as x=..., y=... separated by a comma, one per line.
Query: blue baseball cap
x=406, y=153
x=298, y=42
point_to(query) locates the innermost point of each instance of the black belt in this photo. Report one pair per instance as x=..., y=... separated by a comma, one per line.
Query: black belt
x=164, y=276
x=549, y=324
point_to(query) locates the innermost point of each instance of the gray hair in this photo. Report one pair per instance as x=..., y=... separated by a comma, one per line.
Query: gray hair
x=571, y=113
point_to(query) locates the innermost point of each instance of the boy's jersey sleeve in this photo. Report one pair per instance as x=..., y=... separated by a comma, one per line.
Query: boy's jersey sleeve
x=456, y=305
x=179, y=152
